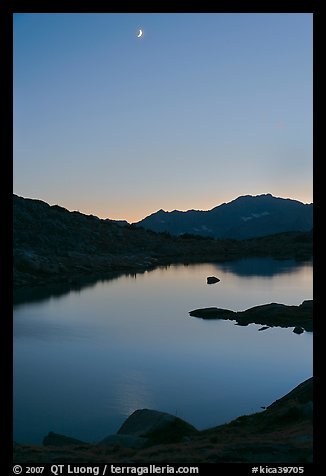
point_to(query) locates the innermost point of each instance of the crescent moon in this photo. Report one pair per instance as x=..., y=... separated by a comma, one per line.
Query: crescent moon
x=140, y=34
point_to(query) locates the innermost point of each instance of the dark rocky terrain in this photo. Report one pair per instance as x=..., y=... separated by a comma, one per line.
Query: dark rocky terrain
x=282, y=433
x=245, y=217
x=270, y=315
x=53, y=245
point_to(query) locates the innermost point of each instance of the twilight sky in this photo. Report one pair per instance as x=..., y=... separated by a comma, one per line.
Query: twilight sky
x=200, y=110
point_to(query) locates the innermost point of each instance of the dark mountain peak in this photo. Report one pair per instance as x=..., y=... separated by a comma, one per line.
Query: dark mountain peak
x=243, y=199
x=256, y=200
x=159, y=212
x=250, y=198
x=247, y=216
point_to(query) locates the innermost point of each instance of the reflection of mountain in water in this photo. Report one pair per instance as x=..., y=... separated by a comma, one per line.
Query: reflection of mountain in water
x=264, y=267
x=260, y=266
x=56, y=290
x=42, y=293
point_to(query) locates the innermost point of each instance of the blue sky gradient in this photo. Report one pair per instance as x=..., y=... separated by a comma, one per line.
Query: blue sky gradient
x=200, y=110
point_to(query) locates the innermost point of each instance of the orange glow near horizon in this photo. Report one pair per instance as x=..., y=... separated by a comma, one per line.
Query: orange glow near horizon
x=133, y=214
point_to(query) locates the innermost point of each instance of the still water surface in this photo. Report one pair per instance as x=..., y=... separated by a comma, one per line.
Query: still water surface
x=84, y=361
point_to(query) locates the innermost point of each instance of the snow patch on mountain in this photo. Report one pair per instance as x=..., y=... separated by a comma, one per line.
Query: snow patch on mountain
x=255, y=215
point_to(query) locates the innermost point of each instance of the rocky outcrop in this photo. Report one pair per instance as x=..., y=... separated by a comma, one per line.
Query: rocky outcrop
x=212, y=280
x=55, y=439
x=298, y=330
x=270, y=315
x=301, y=394
x=157, y=427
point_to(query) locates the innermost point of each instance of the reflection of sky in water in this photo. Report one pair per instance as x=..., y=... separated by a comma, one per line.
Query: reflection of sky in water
x=85, y=361
x=132, y=391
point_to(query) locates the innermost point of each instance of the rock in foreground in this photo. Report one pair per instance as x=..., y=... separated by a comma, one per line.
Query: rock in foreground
x=158, y=427
x=125, y=441
x=281, y=434
x=55, y=439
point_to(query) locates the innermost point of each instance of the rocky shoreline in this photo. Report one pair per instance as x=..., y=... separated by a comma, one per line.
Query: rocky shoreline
x=281, y=433
x=268, y=315
x=52, y=245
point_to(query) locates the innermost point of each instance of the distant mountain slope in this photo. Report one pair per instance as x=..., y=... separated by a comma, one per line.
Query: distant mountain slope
x=245, y=217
